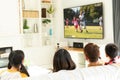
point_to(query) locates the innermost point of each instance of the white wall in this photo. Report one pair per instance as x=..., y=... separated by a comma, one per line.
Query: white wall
x=42, y=56
x=10, y=35
x=108, y=21
x=8, y=23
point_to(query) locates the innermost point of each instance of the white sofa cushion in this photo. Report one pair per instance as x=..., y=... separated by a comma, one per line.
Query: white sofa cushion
x=92, y=73
x=109, y=72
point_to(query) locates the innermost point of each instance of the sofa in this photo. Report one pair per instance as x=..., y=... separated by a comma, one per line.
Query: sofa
x=106, y=72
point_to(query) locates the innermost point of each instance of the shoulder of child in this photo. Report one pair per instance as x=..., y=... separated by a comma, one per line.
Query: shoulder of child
x=23, y=75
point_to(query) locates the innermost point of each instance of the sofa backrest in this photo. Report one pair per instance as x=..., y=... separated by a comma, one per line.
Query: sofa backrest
x=109, y=72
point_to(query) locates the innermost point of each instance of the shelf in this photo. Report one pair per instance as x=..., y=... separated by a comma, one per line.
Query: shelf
x=30, y=18
x=30, y=14
x=35, y=12
x=32, y=40
x=30, y=9
x=47, y=3
x=31, y=33
x=47, y=18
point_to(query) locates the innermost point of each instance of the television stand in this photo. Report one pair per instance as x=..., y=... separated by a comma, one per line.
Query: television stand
x=70, y=48
x=77, y=56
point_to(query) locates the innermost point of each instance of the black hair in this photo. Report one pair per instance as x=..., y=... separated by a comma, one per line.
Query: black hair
x=15, y=59
x=111, y=50
x=62, y=61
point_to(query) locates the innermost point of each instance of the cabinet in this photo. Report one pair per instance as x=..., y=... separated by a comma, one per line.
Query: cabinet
x=77, y=56
x=39, y=21
x=47, y=20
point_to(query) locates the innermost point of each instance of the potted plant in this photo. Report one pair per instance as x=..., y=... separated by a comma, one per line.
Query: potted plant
x=50, y=10
x=46, y=21
x=25, y=26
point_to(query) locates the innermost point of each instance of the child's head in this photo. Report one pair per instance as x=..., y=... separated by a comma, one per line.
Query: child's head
x=111, y=50
x=63, y=61
x=16, y=58
x=92, y=52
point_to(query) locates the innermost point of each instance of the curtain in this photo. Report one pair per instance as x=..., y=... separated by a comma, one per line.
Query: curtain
x=116, y=22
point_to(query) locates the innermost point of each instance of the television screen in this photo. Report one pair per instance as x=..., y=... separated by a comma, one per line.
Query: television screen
x=84, y=21
x=4, y=53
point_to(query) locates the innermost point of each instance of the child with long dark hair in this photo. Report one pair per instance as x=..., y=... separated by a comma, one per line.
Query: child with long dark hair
x=16, y=68
x=62, y=61
x=21, y=53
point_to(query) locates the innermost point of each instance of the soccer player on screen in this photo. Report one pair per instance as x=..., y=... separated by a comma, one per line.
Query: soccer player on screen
x=67, y=22
x=75, y=22
x=82, y=21
x=100, y=22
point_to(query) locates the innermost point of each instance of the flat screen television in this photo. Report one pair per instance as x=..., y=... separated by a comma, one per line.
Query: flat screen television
x=84, y=22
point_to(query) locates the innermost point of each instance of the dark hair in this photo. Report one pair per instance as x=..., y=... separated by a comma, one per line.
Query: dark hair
x=15, y=59
x=111, y=50
x=92, y=52
x=62, y=61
